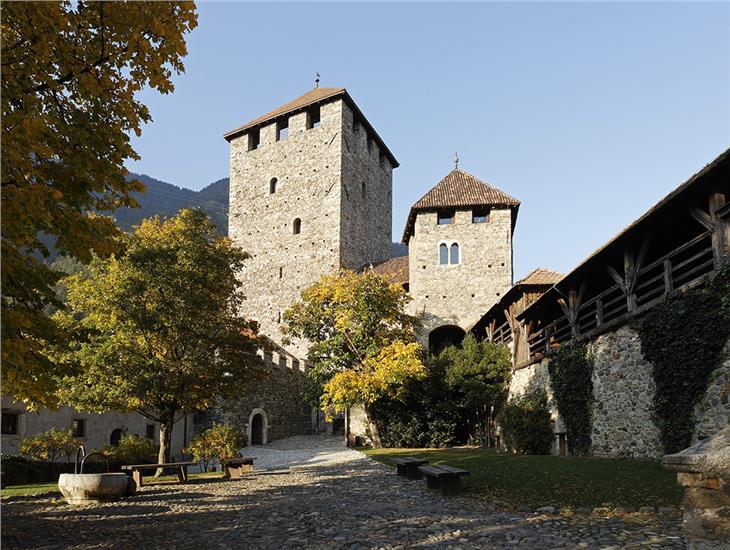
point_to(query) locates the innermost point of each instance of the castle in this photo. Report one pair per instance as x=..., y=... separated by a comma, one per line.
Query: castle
x=311, y=193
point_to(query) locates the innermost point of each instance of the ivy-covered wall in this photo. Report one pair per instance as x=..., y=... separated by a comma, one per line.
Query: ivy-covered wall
x=622, y=420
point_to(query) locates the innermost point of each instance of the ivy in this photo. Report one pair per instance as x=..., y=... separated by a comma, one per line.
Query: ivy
x=571, y=370
x=683, y=338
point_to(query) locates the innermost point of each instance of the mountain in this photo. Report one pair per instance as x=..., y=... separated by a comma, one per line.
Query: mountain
x=165, y=199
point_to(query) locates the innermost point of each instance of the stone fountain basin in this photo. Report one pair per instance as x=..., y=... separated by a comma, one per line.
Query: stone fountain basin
x=91, y=488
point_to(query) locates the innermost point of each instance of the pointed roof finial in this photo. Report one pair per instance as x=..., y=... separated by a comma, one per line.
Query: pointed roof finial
x=456, y=161
x=316, y=81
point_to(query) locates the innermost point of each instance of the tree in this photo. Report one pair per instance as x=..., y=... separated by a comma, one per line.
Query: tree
x=222, y=441
x=480, y=372
x=71, y=73
x=49, y=445
x=362, y=342
x=158, y=329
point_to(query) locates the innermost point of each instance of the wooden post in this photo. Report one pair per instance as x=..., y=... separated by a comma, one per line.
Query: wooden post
x=721, y=229
x=630, y=274
x=668, y=282
x=599, y=312
x=548, y=331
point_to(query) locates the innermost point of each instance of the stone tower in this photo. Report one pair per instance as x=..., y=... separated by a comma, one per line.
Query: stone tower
x=310, y=193
x=459, y=238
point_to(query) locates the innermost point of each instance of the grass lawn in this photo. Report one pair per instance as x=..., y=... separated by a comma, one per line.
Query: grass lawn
x=513, y=480
x=40, y=488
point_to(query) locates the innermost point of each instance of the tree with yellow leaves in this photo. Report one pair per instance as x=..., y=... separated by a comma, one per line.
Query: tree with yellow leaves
x=361, y=341
x=71, y=73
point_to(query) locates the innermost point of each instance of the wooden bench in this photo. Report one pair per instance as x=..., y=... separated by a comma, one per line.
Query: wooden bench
x=181, y=469
x=445, y=479
x=237, y=467
x=408, y=466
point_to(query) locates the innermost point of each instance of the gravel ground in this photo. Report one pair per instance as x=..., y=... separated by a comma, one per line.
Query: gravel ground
x=315, y=494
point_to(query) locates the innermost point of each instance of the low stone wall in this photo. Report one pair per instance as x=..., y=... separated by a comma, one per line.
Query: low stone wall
x=623, y=390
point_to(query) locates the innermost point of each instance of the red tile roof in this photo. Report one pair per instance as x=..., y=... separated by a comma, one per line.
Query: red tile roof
x=395, y=269
x=312, y=97
x=458, y=188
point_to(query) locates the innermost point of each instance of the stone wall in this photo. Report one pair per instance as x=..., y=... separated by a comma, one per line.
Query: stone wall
x=623, y=390
x=459, y=294
x=278, y=399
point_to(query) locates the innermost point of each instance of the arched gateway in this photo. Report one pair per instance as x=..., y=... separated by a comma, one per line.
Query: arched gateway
x=443, y=337
x=258, y=427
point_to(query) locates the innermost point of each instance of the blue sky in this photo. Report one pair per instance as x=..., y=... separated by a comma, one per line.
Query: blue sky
x=588, y=113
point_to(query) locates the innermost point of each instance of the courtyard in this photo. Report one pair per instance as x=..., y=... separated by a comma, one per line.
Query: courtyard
x=311, y=492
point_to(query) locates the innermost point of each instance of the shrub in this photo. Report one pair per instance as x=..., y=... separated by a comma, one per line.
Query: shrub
x=222, y=441
x=132, y=449
x=571, y=371
x=50, y=445
x=526, y=424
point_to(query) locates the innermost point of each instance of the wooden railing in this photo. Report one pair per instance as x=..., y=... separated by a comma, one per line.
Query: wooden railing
x=681, y=267
x=502, y=334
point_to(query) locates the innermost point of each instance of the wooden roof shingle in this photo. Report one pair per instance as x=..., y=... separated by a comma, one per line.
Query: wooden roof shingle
x=458, y=188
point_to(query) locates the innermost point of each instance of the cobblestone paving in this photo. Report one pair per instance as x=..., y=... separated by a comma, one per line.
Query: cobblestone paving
x=350, y=503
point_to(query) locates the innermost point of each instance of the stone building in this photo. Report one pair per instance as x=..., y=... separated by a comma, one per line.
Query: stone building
x=94, y=431
x=459, y=237
x=310, y=193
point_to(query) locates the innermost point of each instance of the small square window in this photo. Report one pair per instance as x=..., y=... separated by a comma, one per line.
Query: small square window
x=150, y=433
x=446, y=217
x=78, y=428
x=282, y=130
x=282, y=361
x=9, y=423
x=254, y=139
x=480, y=215
x=313, y=118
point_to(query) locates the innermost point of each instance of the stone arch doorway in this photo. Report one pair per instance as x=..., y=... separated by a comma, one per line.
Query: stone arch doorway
x=116, y=437
x=443, y=337
x=258, y=428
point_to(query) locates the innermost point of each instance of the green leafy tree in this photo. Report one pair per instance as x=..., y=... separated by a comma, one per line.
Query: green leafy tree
x=222, y=441
x=158, y=330
x=132, y=449
x=50, y=445
x=361, y=341
x=71, y=73
x=480, y=373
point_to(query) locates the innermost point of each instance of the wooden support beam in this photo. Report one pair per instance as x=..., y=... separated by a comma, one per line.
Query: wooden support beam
x=668, y=281
x=599, y=312
x=720, y=229
x=570, y=308
x=702, y=217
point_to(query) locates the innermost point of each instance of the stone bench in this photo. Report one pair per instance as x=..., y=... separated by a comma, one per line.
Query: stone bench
x=408, y=466
x=444, y=479
x=237, y=467
x=181, y=468
x=704, y=471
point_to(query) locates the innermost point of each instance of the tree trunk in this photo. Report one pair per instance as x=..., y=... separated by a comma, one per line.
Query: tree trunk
x=374, y=432
x=166, y=423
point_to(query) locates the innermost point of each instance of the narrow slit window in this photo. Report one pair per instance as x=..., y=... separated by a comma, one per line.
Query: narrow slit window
x=443, y=254
x=363, y=190
x=454, y=254
x=313, y=118
x=254, y=139
x=281, y=272
x=282, y=130
x=445, y=217
x=273, y=185
x=480, y=215
x=297, y=226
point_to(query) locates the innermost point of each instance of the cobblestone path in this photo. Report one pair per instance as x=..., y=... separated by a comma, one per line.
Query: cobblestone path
x=336, y=498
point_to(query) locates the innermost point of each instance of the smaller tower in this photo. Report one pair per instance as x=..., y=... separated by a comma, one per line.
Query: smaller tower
x=459, y=238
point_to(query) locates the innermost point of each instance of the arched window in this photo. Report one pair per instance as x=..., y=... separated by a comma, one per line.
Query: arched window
x=443, y=254
x=297, y=226
x=272, y=186
x=454, y=254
